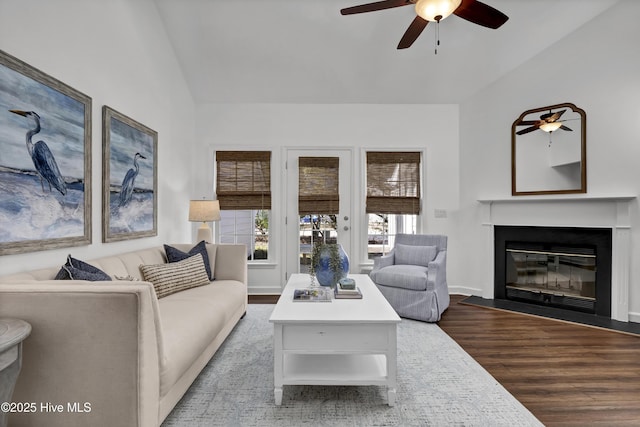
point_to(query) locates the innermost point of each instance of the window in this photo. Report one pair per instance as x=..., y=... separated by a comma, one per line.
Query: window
x=382, y=229
x=243, y=187
x=249, y=227
x=393, y=198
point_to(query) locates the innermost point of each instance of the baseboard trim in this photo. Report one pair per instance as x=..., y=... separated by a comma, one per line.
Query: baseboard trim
x=463, y=290
x=264, y=290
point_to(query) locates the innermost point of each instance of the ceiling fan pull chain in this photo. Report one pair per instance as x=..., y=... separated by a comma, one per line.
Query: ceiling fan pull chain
x=437, y=36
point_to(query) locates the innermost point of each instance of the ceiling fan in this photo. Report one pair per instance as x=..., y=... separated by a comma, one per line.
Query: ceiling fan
x=435, y=11
x=548, y=122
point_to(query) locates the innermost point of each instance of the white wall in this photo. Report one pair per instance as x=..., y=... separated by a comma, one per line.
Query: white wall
x=596, y=68
x=277, y=127
x=117, y=53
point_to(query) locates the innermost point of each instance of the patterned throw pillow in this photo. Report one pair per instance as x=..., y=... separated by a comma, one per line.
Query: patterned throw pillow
x=414, y=255
x=74, y=269
x=178, y=276
x=175, y=255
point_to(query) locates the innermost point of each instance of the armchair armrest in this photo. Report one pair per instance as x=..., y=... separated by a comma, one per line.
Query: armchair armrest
x=383, y=261
x=437, y=271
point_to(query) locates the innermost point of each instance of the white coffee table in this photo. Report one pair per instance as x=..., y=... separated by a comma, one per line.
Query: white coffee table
x=342, y=342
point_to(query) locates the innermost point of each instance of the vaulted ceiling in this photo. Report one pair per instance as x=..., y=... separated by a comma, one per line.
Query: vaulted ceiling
x=304, y=51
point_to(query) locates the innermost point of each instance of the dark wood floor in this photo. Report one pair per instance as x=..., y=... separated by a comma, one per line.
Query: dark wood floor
x=565, y=374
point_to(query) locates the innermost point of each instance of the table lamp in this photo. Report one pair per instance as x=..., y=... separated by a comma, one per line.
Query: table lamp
x=204, y=211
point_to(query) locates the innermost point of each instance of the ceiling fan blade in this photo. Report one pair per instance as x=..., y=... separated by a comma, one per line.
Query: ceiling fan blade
x=412, y=33
x=527, y=130
x=481, y=14
x=371, y=7
x=554, y=117
x=563, y=127
x=559, y=114
x=527, y=122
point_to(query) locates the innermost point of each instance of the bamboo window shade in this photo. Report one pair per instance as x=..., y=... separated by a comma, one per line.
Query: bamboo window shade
x=318, y=179
x=393, y=183
x=243, y=179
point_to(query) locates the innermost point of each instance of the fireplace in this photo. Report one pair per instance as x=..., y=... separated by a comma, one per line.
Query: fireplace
x=562, y=267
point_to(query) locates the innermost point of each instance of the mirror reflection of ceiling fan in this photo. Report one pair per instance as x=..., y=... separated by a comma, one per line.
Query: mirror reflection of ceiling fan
x=435, y=11
x=548, y=122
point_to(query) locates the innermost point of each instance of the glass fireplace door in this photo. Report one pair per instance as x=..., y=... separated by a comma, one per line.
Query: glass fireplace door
x=554, y=272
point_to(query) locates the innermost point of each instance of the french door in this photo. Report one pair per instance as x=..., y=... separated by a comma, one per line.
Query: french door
x=319, y=194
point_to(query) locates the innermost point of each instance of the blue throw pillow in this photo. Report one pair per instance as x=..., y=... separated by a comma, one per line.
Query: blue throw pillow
x=74, y=269
x=175, y=255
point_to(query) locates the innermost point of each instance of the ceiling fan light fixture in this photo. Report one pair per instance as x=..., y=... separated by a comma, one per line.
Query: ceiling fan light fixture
x=550, y=127
x=436, y=10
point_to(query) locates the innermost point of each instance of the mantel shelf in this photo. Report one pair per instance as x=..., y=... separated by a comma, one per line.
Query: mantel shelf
x=558, y=198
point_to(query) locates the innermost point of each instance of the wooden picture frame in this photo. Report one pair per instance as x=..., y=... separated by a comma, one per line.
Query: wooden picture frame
x=549, y=151
x=129, y=178
x=45, y=186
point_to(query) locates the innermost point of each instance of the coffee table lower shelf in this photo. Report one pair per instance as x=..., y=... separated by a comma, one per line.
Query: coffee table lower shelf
x=334, y=369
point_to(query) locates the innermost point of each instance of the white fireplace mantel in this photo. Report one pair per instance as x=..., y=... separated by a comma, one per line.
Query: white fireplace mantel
x=557, y=198
x=572, y=210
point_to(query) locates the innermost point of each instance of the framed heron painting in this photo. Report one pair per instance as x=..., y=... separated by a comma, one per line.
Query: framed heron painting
x=129, y=178
x=45, y=161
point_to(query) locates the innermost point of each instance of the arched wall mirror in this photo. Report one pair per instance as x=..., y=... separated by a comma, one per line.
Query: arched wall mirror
x=549, y=151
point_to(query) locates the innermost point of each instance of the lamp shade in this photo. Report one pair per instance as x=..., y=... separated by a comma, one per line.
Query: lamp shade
x=204, y=210
x=436, y=10
x=550, y=127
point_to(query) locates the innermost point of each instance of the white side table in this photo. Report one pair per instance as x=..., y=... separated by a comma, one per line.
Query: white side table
x=12, y=333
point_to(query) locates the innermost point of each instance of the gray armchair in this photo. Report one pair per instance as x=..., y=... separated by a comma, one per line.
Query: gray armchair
x=413, y=276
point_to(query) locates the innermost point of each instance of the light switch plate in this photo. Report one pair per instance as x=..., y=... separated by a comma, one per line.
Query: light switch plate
x=440, y=213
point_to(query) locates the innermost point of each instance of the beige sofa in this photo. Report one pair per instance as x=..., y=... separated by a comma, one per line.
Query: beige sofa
x=111, y=353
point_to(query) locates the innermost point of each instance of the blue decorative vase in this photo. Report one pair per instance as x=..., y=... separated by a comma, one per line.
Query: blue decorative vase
x=326, y=273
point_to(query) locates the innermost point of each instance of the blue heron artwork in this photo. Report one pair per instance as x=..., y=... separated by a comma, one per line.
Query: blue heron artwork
x=131, y=169
x=44, y=150
x=126, y=190
x=43, y=159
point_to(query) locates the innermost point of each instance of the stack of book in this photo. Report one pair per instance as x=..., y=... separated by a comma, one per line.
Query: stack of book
x=347, y=292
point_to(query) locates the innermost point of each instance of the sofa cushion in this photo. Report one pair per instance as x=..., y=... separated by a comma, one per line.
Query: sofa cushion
x=414, y=255
x=175, y=255
x=412, y=277
x=175, y=277
x=74, y=269
x=191, y=321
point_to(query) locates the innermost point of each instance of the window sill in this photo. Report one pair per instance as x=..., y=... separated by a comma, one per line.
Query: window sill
x=260, y=264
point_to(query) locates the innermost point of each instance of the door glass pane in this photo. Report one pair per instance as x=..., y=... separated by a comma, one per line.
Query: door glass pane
x=318, y=199
x=315, y=229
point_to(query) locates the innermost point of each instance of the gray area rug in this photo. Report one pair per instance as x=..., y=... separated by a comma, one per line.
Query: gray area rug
x=439, y=384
